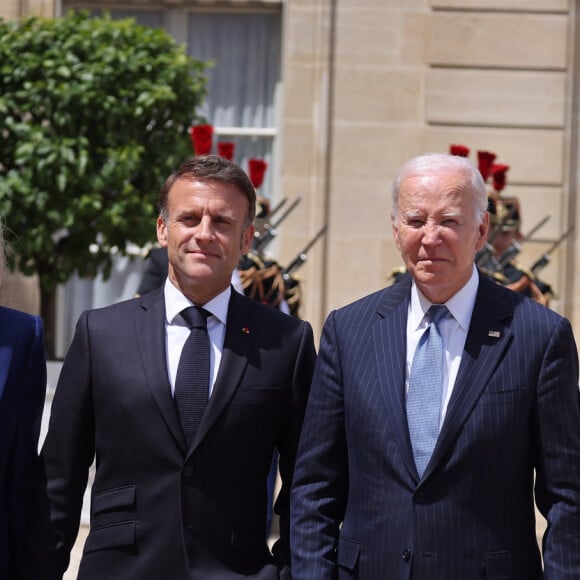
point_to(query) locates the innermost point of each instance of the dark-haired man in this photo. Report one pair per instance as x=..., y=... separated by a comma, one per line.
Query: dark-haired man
x=172, y=497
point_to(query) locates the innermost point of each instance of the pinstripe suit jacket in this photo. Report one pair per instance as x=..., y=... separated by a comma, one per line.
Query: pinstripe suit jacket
x=359, y=509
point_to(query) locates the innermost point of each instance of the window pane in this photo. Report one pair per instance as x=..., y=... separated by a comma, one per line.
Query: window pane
x=245, y=49
x=151, y=18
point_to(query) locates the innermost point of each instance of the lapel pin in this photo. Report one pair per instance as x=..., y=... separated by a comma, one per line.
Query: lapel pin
x=246, y=330
x=494, y=333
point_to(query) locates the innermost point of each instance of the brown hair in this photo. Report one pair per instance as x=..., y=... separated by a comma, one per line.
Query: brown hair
x=210, y=168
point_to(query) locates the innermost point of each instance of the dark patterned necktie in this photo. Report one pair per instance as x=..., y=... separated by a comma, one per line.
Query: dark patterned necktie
x=425, y=390
x=192, y=379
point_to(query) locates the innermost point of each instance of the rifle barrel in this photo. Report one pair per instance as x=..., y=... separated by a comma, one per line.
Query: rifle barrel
x=301, y=256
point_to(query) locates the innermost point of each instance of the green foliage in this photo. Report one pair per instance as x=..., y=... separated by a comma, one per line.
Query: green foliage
x=94, y=114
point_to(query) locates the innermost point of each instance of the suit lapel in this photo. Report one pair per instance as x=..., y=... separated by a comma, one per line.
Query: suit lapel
x=240, y=328
x=488, y=337
x=390, y=338
x=6, y=353
x=150, y=332
x=5, y=359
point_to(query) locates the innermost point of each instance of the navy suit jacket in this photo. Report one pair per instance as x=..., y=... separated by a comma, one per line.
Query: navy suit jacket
x=158, y=509
x=359, y=509
x=22, y=392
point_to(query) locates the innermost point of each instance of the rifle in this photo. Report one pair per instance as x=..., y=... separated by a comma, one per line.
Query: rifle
x=516, y=247
x=277, y=208
x=301, y=256
x=545, y=258
x=486, y=258
x=261, y=241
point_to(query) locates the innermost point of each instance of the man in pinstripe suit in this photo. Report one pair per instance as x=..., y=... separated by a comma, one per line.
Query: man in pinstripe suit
x=509, y=414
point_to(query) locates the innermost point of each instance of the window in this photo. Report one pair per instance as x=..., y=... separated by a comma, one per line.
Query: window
x=243, y=83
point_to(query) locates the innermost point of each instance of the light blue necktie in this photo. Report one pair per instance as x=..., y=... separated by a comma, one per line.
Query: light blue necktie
x=425, y=390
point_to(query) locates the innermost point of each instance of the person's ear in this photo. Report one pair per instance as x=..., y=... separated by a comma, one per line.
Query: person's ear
x=247, y=238
x=483, y=232
x=161, y=232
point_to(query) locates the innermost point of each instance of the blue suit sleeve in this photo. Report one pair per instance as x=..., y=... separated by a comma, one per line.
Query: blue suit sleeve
x=558, y=455
x=321, y=478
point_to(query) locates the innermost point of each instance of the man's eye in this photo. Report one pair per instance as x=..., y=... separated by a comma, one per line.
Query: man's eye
x=190, y=220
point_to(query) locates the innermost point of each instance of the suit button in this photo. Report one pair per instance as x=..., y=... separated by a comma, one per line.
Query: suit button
x=188, y=471
x=420, y=497
x=406, y=554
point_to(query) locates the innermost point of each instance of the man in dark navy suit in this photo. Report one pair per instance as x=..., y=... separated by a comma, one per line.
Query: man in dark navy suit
x=22, y=392
x=431, y=474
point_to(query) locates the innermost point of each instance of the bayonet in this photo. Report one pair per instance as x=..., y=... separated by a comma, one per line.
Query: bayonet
x=270, y=229
x=544, y=260
x=516, y=246
x=301, y=256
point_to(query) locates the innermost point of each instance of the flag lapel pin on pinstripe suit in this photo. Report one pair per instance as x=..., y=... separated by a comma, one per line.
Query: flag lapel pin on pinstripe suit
x=494, y=333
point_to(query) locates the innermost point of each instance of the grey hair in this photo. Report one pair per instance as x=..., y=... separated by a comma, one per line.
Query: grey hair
x=434, y=162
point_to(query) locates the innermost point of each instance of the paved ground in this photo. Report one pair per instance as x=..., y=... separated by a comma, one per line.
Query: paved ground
x=75, y=557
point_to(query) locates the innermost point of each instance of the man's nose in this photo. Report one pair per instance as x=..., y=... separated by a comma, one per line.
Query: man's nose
x=431, y=233
x=205, y=228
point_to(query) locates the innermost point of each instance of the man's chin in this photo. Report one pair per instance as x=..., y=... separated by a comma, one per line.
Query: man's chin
x=429, y=270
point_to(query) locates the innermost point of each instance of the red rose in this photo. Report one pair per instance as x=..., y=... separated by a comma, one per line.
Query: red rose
x=498, y=173
x=257, y=169
x=459, y=150
x=201, y=139
x=485, y=160
x=226, y=149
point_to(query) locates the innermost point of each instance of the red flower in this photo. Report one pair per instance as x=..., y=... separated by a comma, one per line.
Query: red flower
x=201, y=139
x=257, y=169
x=226, y=149
x=485, y=161
x=460, y=150
x=498, y=172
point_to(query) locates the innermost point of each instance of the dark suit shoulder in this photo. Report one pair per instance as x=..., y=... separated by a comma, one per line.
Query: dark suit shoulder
x=10, y=315
x=501, y=299
x=263, y=312
x=379, y=302
x=126, y=306
x=15, y=324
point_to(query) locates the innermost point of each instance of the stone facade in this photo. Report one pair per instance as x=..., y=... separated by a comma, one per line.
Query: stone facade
x=369, y=83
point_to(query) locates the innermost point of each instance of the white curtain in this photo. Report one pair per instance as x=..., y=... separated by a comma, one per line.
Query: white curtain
x=245, y=49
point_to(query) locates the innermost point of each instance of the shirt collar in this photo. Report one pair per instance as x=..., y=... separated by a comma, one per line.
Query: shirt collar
x=460, y=305
x=175, y=302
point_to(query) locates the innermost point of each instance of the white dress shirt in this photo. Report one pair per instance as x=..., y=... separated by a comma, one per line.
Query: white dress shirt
x=453, y=330
x=176, y=330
